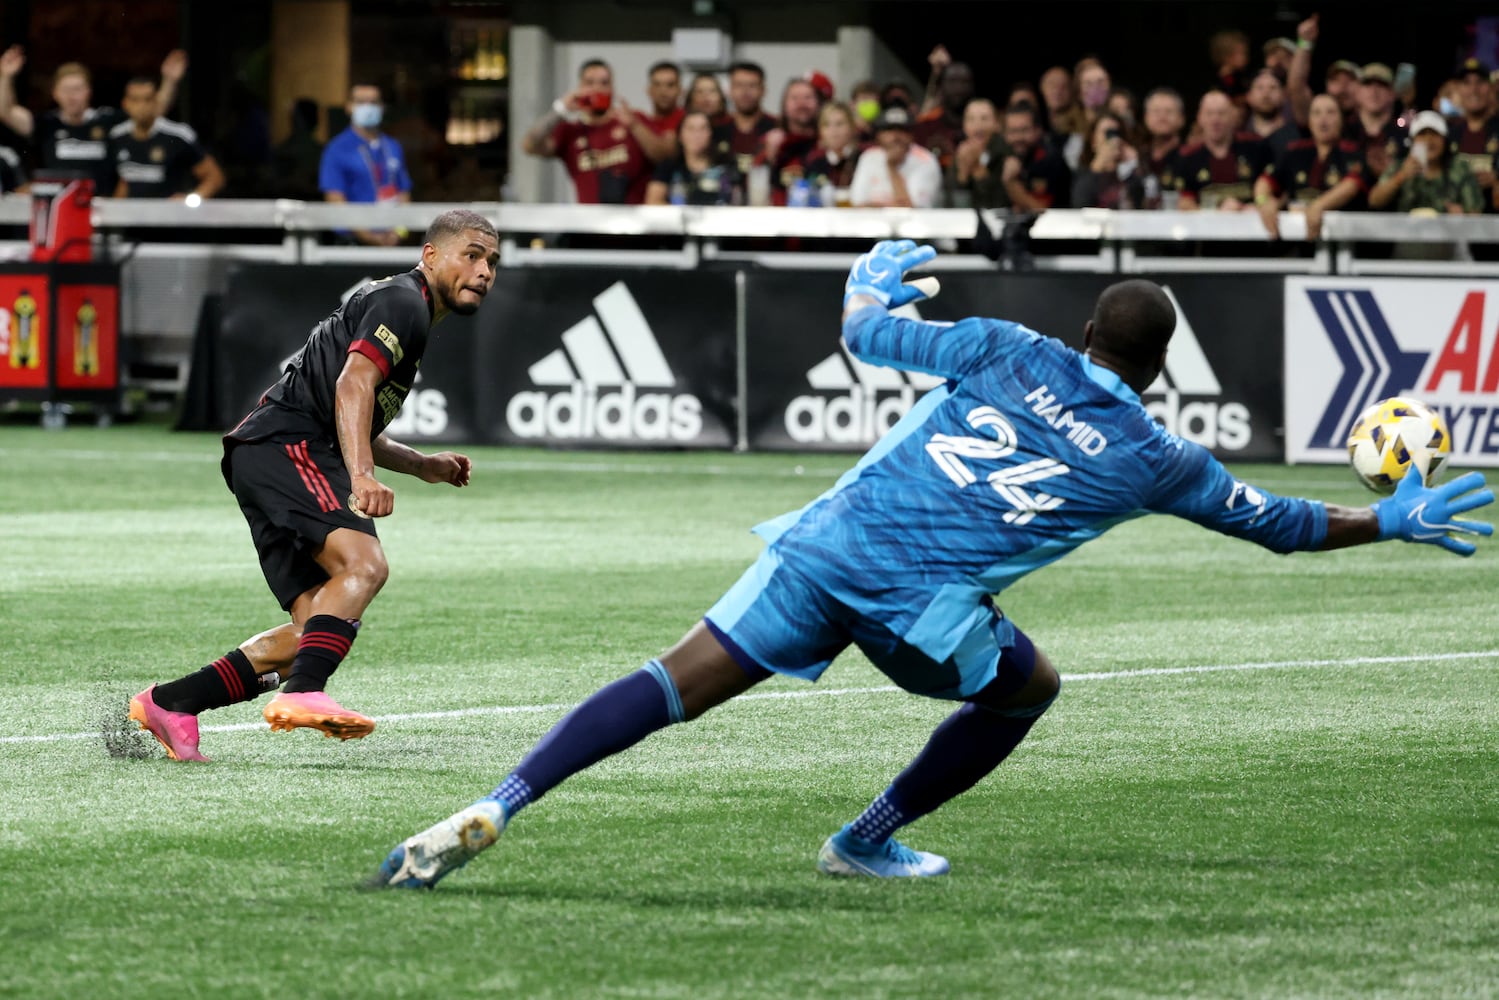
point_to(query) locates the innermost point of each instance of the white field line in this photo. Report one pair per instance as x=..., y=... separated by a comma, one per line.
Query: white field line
x=1215, y=668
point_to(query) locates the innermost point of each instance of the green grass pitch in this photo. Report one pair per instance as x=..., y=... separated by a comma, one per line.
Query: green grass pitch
x=1267, y=776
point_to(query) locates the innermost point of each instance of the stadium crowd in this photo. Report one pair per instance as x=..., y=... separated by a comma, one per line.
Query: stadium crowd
x=1265, y=135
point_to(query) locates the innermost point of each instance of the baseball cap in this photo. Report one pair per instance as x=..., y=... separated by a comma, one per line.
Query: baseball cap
x=893, y=117
x=1345, y=66
x=1279, y=43
x=820, y=83
x=1376, y=73
x=1429, y=121
x=1470, y=65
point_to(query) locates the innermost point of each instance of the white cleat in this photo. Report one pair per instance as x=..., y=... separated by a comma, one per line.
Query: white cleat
x=420, y=861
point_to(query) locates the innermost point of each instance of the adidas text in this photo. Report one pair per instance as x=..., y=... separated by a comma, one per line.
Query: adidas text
x=1208, y=423
x=859, y=416
x=583, y=412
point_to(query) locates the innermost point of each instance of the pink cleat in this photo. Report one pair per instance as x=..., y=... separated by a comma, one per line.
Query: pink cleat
x=177, y=731
x=315, y=710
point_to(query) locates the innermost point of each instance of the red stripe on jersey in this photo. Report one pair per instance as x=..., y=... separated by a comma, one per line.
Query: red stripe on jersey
x=373, y=353
x=322, y=480
x=307, y=480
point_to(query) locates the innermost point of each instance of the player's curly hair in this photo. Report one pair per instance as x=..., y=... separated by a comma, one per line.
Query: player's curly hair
x=456, y=222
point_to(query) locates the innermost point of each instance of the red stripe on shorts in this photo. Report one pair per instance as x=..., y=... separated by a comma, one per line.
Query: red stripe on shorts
x=306, y=480
x=322, y=480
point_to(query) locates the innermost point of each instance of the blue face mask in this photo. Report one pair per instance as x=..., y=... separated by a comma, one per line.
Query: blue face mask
x=1448, y=109
x=366, y=115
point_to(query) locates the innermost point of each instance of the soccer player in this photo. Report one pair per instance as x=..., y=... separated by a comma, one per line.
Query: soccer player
x=1029, y=450
x=302, y=466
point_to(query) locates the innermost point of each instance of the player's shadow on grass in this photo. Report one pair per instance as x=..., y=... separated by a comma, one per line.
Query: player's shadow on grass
x=820, y=894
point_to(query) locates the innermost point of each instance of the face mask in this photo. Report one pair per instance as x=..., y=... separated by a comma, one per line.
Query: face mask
x=366, y=115
x=1094, y=96
x=1448, y=109
x=868, y=110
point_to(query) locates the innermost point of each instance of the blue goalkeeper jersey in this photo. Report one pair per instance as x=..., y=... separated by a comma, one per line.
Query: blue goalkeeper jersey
x=1028, y=451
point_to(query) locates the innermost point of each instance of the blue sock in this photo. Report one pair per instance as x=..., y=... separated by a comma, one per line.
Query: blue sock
x=612, y=719
x=967, y=745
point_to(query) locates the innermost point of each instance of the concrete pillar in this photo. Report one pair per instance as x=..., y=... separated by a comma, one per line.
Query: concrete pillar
x=309, y=58
x=533, y=88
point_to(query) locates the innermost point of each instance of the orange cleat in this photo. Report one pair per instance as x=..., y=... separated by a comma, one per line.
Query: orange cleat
x=315, y=710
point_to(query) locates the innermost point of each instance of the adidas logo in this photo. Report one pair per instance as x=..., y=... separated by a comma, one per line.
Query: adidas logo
x=613, y=348
x=863, y=401
x=1206, y=422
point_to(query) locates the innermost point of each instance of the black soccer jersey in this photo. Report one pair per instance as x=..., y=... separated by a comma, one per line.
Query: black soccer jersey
x=1304, y=177
x=1212, y=179
x=161, y=164
x=387, y=321
x=83, y=147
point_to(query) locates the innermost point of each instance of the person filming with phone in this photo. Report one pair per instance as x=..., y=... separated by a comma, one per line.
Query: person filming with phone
x=1428, y=181
x=1108, y=174
x=600, y=140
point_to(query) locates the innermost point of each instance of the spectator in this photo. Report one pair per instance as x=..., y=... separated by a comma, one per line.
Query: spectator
x=785, y=149
x=898, y=92
x=1093, y=86
x=1298, y=77
x=940, y=128
x=1475, y=131
x=1219, y=171
x=1064, y=114
x=155, y=157
x=364, y=166
x=830, y=167
x=1123, y=105
x=1110, y=176
x=1446, y=100
x=743, y=132
x=1024, y=90
x=821, y=85
x=1165, y=117
x=664, y=88
x=1429, y=180
x=1266, y=102
x=73, y=135
x=1321, y=174
x=699, y=174
x=706, y=95
x=938, y=59
x=864, y=99
x=896, y=172
x=296, y=160
x=1279, y=52
x=1034, y=177
x=1342, y=82
x=1229, y=51
x=599, y=143
x=974, y=179
x=1374, y=127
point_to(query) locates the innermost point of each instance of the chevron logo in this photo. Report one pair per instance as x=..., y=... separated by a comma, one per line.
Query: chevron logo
x=1374, y=365
x=603, y=363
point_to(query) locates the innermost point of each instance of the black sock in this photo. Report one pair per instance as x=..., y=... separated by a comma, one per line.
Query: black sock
x=325, y=642
x=225, y=681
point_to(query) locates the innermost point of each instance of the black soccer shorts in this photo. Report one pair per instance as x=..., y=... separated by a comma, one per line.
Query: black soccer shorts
x=293, y=492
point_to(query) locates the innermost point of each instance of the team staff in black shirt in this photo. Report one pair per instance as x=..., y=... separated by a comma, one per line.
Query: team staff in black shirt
x=156, y=157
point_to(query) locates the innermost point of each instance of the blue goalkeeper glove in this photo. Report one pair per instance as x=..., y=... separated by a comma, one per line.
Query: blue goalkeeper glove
x=879, y=274
x=1418, y=514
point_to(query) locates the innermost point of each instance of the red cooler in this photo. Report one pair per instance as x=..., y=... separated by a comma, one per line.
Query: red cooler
x=62, y=224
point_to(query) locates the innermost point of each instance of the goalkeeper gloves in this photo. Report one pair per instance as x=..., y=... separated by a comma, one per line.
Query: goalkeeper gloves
x=879, y=273
x=1419, y=514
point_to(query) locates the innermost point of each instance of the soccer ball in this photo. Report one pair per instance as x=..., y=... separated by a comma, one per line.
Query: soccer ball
x=1391, y=435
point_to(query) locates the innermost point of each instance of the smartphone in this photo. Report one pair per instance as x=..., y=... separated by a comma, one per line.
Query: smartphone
x=1405, y=78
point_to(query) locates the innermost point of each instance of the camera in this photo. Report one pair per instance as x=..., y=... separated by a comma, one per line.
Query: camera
x=598, y=101
x=1110, y=134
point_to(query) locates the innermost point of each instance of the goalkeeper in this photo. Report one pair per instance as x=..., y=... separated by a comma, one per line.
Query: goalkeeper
x=1028, y=451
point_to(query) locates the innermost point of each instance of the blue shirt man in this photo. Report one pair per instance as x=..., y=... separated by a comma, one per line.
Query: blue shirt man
x=1028, y=451
x=364, y=165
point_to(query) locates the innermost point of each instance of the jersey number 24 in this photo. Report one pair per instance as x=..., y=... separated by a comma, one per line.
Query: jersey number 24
x=949, y=452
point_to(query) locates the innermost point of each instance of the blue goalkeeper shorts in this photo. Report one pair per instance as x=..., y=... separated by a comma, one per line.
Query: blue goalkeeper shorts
x=776, y=617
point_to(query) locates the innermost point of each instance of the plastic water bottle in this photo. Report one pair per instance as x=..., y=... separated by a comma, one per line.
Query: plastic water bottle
x=678, y=195
x=800, y=194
